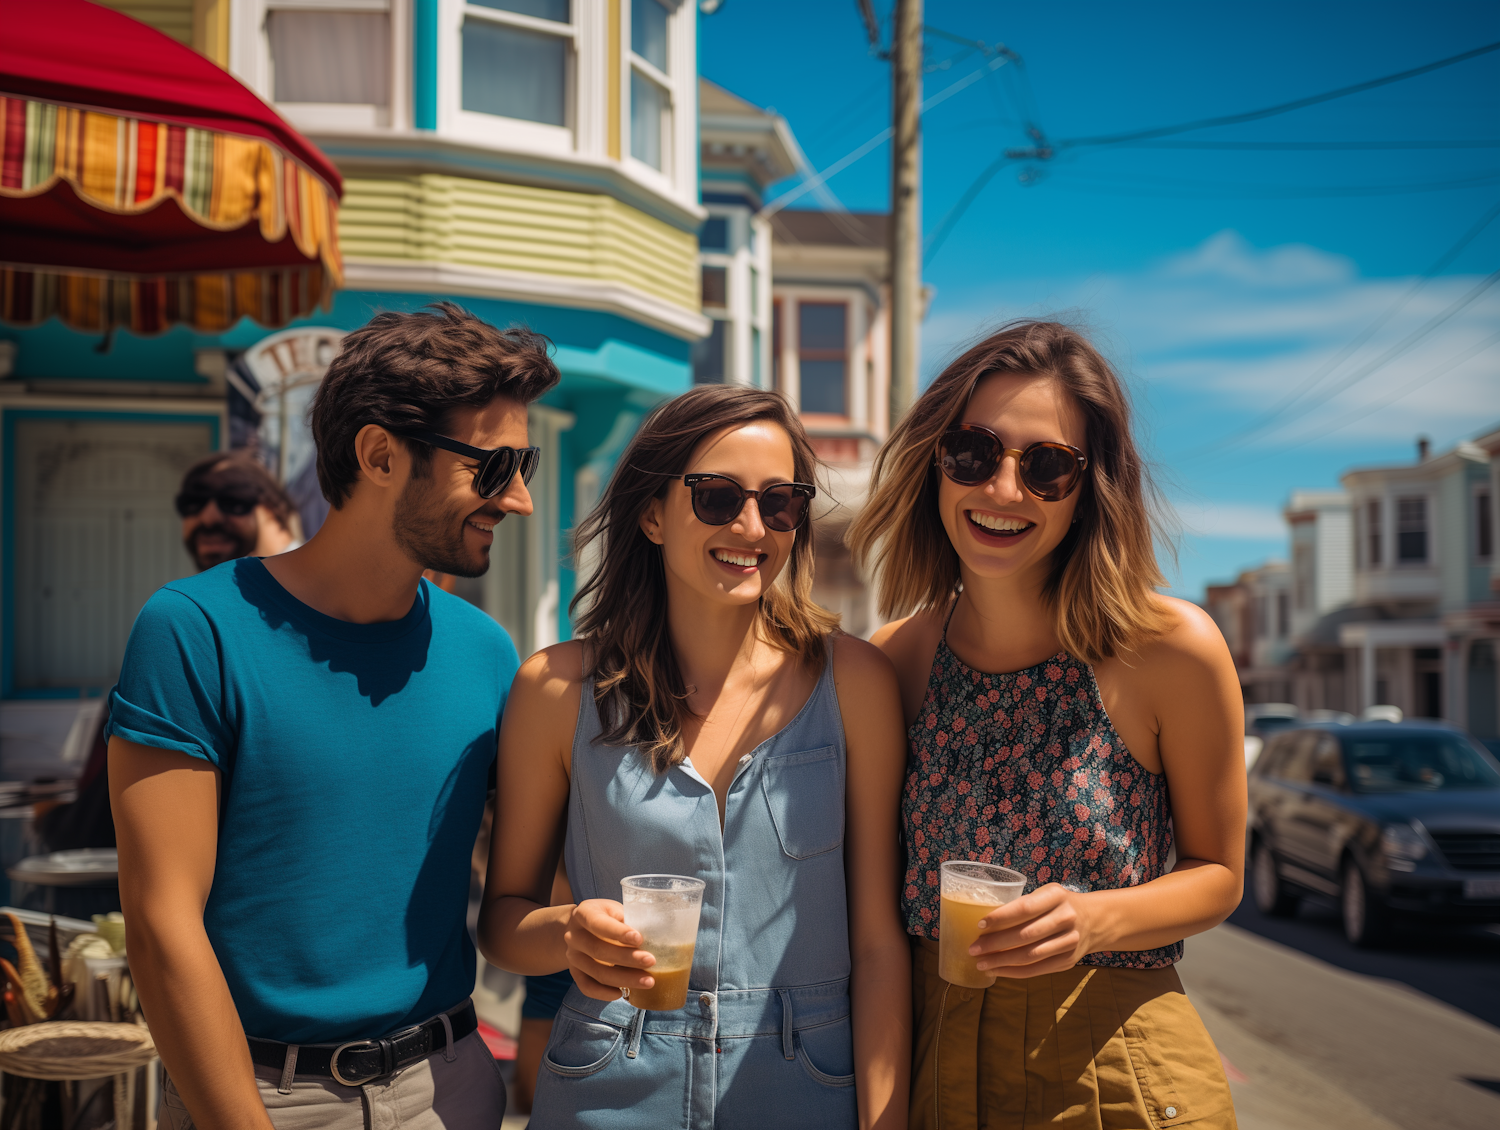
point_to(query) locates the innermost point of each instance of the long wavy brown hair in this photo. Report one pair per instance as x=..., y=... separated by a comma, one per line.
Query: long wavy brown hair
x=621, y=610
x=1101, y=582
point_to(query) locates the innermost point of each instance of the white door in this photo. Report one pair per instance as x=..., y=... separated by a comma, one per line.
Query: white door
x=95, y=535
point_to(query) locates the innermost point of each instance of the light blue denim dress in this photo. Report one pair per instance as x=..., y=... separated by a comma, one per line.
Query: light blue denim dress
x=765, y=1039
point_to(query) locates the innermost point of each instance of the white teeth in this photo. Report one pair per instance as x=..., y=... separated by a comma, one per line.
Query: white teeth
x=487, y=527
x=744, y=560
x=990, y=522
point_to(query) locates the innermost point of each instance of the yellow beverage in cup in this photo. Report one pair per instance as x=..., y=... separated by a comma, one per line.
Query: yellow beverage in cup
x=969, y=892
x=664, y=909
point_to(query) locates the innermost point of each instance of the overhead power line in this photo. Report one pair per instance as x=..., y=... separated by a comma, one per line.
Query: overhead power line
x=1403, y=391
x=1298, y=146
x=1279, y=108
x=1290, y=401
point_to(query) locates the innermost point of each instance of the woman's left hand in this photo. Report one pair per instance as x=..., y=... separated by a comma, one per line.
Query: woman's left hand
x=1046, y=931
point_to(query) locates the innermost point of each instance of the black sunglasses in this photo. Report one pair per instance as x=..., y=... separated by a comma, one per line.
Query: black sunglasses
x=497, y=466
x=970, y=454
x=718, y=500
x=232, y=505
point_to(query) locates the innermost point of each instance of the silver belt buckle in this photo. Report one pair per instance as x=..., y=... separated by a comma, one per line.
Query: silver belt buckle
x=333, y=1062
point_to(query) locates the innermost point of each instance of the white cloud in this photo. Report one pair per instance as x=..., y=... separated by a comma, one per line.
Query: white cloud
x=1238, y=521
x=1233, y=330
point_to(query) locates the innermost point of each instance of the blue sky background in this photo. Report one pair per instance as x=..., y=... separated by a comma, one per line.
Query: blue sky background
x=1220, y=281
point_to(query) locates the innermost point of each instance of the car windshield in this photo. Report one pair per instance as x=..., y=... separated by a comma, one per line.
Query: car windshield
x=1272, y=724
x=1405, y=763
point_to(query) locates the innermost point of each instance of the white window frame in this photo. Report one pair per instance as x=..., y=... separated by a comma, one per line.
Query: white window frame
x=679, y=145
x=493, y=129
x=1429, y=521
x=1476, y=491
x=251, y=62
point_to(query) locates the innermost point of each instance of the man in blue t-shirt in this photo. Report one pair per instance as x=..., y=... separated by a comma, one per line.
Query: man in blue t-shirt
x=300, y=748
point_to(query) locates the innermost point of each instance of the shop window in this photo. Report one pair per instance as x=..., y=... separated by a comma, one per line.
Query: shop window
x=516, y=69
x=823, y=356
x=715, y=286
x=708, y=357
x=1373, y=532
x=1411, y=530
x=715, y=234
x=337, y=57
x=650, y=102
x=1484, y=526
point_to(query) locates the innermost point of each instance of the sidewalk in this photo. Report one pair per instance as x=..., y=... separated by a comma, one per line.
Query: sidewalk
x=1319, y=1048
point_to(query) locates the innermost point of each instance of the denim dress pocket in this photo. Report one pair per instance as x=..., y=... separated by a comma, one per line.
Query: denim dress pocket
x=827, y=1053
x=805, y=793
x=580, y=1047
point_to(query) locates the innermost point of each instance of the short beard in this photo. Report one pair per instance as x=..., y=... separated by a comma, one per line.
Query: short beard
x=243, y=546
x=434, y=540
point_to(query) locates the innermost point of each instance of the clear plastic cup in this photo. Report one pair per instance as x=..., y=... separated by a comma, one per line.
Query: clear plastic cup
x=969, y=892
x=665, y=909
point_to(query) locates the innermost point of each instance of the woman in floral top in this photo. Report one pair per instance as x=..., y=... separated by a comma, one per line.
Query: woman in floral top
x=1066, y=721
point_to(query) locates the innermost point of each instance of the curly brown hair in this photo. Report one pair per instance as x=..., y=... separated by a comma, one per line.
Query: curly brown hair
x=408, y=372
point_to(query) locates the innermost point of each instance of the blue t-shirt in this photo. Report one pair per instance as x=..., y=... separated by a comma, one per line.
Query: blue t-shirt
x=355, y=762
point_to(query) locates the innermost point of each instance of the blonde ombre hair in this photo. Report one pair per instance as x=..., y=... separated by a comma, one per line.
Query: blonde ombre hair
x=1103, y=575
x=621, y=610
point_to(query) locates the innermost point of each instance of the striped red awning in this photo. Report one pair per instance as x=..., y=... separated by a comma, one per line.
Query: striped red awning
x=145, y=220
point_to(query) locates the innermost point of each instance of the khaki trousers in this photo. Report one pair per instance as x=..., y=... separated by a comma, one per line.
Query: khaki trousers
x=1091, y=1048
x=431, y=1094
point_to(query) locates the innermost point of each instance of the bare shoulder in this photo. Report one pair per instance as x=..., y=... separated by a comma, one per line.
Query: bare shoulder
x=551, y=672
x=910, y=634
x=855, y=659
x=1189, y=655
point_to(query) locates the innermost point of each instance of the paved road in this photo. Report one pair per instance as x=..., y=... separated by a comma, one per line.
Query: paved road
x=1321, y=1036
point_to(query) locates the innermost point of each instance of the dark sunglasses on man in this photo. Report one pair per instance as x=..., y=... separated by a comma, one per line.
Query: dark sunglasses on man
x=970, y=454
x=497, y=466
x=232, y=504
x=718, y=500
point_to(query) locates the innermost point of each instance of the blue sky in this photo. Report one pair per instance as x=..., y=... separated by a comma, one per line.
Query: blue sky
x=1223, y=282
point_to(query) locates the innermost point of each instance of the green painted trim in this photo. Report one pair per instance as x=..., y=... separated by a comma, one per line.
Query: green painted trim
x=424, y=63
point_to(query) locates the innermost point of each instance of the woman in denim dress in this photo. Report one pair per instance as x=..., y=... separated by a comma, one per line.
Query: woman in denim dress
x=709, y=722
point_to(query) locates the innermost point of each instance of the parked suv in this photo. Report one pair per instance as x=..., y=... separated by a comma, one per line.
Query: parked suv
x=1386, y=817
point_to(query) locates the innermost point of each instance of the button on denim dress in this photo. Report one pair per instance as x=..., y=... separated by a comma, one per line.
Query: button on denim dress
x=764, y=1040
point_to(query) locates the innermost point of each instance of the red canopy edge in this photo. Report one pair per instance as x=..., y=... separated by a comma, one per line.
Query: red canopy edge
x=84, y=55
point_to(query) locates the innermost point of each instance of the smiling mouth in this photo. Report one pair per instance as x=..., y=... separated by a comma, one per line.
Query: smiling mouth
x=740, y=559
x=482, y=525
x=996, y=526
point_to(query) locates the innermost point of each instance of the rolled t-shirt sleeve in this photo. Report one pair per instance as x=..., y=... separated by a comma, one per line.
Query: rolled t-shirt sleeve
x=170, y=693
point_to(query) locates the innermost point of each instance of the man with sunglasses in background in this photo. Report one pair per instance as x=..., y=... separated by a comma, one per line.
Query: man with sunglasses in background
x=232, y=507
x=301, y=746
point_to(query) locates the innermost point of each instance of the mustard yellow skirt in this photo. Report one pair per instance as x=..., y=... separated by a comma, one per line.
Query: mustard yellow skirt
x=1093, y=1047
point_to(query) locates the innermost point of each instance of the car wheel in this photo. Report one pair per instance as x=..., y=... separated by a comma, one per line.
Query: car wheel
x=1271, y=894
x=1367, y=922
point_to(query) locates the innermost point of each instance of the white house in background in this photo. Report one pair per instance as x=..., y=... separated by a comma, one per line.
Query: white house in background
x=1474, y=631
x=1268, y=595
x=1417, y=563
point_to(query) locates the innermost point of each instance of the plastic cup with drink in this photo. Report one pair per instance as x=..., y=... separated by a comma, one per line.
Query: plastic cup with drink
x=664, y=910
x=969, y=892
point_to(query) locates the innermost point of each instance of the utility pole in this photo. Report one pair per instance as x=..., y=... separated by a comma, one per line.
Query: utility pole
x=906, y=203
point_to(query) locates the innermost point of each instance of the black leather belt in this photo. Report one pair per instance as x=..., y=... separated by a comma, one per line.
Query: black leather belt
x=359, y=1061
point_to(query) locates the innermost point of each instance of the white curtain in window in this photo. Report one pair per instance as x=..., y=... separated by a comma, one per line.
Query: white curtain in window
x=342, y=57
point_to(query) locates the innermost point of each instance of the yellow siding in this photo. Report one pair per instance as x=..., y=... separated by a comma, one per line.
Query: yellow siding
x=172, y=17
x=542, y=231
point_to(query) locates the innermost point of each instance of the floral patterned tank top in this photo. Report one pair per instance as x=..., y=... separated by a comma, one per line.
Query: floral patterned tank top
x=1025, y=770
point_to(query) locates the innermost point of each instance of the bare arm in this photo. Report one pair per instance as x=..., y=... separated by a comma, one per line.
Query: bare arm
x=519, y=927
x=880, y=986
x=166, y=809
x=1189, y=679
